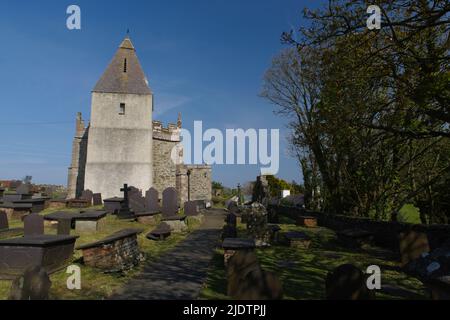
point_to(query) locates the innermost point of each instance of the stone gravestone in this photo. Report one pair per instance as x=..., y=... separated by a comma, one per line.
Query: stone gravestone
x=24, y=188
x=97, y=199
x=64, y=226
x=3, y=220
x=151, y=200
x=412, y=245
x=231, y=219
x=125, y=212
x=34, y=284
x=246, y=280
x=190, y=208
x=136, y=200
x=347, y=282
x=87, y=195
x=170, y=206
x=33, y=225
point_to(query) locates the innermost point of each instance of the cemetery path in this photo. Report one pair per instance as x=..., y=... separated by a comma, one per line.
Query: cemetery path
x=178, y=274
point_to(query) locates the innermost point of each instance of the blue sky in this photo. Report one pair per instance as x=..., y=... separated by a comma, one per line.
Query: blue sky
x=203, y=58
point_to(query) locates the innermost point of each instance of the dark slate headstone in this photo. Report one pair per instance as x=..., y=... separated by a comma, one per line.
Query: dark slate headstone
x=233, y=207
x=64, y=226
x=190, y=208
x=412, y=245
x=3, y=220
x=24, y=188
x=124, y=211
x=347, y=282
x=97, y=199
x=170, y=202
x=34, y=284
x=231, y=219
x=33, y=225
x=136, y=201
x=152, y=201
x=87, y=195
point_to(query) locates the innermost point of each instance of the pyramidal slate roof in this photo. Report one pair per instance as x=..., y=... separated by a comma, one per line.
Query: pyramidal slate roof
x=124, y=73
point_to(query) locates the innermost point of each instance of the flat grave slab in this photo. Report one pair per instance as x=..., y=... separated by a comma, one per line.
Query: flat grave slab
x=297, y=239
x=116, y=252
x=177, y=223
x=78, y=203
x=57, y=203
x=231, y=245
x=162, y=232
x=89, y=221
x=52, y=252
x=113, y=205
x=307, y=221
x=354, y=237
x=150, y=217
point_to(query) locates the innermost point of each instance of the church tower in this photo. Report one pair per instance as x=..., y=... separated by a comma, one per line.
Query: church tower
x=119, y=148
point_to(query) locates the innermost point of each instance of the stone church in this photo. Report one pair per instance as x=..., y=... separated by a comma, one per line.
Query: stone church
x=123, y=144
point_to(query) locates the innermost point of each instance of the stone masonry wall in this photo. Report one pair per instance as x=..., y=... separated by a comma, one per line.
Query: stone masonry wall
x=75, y=180
x=119, y=255
x=386, y=233
x=164, y=169
x=200, y=182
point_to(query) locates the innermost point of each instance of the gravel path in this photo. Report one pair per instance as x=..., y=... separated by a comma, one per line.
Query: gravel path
x=179, y=273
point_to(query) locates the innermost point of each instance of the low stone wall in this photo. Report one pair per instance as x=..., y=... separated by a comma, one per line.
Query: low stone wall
x=385, y=233
x=118, y=252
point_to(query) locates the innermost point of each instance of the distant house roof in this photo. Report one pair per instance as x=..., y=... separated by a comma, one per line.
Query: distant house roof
x=124, y=73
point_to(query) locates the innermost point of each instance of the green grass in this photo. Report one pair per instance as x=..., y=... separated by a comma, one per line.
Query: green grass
x=96, y=284
x=303, y=271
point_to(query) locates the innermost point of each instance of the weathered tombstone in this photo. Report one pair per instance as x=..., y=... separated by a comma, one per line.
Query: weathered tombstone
x=97, y=199
x=231, y=219
x=412, y=245
x=87, y=195
x=33, y=225
x=136, y=201
x=297, y=240
x=190, y=208
x=3, y=220
x=151, y=200
x=347, y=282
x=34, y=284
x=170, y=206
x=232, y=207
x=248, y=281
x=24, y=188
x=125, y=212
x=64, y=226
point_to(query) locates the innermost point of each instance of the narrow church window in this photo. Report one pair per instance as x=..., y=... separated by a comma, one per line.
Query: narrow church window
x=122, y=108
x=125, y=65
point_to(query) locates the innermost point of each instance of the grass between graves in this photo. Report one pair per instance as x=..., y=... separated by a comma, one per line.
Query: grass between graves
x=94, y=283
x=303, y=271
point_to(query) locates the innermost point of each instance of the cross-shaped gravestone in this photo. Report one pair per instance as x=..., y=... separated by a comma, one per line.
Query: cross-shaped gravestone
x=125, y=191
x=170, y=206
x=151, y=200
x=190, y=208
x=33, y=225
x=3, y=220
x=125, y=212
x=97, y=199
